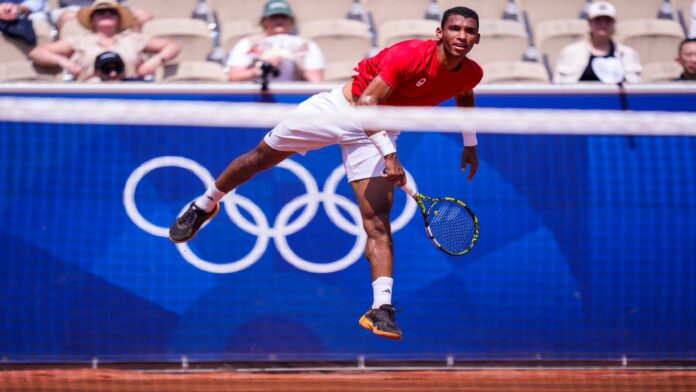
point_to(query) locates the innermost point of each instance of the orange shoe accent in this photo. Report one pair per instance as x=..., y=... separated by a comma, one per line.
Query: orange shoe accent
x=367, y=324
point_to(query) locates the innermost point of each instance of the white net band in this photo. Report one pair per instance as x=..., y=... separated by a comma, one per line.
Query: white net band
x=267, y=115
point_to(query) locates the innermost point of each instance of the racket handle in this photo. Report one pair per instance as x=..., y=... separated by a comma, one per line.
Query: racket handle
x=409, y=191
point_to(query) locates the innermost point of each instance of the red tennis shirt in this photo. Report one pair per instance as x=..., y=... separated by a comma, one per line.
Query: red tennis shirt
x=411, y=69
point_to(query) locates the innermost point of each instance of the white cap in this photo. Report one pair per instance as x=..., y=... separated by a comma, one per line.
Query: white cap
x=601, y=8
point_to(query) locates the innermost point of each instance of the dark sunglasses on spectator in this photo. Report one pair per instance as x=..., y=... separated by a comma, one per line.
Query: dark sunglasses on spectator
x=105, y=12
x=107, y=68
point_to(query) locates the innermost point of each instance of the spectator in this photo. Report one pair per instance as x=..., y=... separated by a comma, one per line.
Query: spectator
x=68, y=10
x=13, y=9
x=276, y=49
x=14, y=18
x=687, y=59
x=598, y=58
x=108, y=20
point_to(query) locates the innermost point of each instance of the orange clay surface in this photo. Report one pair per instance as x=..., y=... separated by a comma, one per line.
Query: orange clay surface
x=508, y=380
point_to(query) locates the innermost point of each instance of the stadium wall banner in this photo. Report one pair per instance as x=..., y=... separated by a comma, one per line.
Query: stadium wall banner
x=587, y=247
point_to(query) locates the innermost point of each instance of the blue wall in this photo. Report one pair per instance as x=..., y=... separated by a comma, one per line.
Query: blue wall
x=587, y=246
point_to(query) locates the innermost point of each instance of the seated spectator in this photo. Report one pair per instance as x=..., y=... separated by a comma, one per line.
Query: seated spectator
x=687, y=59
x=14, y=19
x=15, y=8
x=598, y=58
x=108, y=20
x=276, y=52
x=68, y=10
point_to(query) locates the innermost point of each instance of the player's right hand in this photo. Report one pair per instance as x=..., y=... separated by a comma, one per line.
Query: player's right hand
x=393, y=172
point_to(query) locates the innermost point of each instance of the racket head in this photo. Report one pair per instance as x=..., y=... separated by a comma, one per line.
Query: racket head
x=451, y=226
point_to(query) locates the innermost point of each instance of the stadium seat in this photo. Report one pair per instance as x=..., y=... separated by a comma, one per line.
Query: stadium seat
x=501, y=40
x=43, y=29
x=23, y=71
x=538, y=11
x=682, y=11
x=339, y=71
x=72, y=27
x=227, y=10
x=13, y=49
x=393, y=31
x=486, y=9
x=383, y=10
x=656, y=40
x=339, y=39
x=309, y=10
x=553, y=35
x=636, y=9
x=194, y=71
x=514, y=72
x=234, y=30
x=166, y=8
x=192, y=35
x=17, y=50
x=661, y=72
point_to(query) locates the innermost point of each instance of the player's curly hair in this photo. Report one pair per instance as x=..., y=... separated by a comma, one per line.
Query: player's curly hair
x=463, y=11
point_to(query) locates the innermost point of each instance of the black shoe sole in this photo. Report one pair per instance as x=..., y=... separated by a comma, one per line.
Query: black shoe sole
x=368, y=325
x=212, y=215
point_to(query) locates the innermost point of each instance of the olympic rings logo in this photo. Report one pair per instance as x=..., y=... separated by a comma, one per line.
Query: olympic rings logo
x=282, y=226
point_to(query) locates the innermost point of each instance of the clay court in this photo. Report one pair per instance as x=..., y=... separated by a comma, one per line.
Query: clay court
x=484, y=379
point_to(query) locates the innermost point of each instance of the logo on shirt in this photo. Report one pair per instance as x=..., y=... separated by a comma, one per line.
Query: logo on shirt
x=421, y=82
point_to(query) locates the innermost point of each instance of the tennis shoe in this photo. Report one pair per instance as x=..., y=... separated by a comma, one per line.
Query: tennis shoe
x=381, y=322
x=187, y=225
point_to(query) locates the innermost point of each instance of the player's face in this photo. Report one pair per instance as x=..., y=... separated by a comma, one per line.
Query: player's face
x=459, y=35
x=687, y=57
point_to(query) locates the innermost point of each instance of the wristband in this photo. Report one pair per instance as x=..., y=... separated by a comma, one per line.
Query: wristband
x=470, y=139
x=383, y=143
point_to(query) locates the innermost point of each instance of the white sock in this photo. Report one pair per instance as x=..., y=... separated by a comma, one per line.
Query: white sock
x=209, y=199
x=382, y=291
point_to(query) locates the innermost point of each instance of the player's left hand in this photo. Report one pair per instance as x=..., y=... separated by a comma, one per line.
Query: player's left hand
x=470, y=157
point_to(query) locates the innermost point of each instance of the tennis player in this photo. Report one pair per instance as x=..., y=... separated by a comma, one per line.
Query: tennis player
x=409, y=73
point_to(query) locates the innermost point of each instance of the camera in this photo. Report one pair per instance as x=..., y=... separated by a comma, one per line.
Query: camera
x=267, y=70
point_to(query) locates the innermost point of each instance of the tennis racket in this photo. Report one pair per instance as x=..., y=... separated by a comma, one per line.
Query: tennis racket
x=450, y=224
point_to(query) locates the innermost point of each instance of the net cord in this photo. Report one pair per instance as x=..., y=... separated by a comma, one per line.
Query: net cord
x=420, y=119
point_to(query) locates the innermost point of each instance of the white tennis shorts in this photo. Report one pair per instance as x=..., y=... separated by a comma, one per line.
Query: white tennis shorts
x=360, y=157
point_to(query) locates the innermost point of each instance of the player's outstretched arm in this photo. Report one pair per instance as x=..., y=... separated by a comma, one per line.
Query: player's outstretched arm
x=469, y=154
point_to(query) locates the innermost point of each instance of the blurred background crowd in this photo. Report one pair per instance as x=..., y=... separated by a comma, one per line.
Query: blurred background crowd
x=522, y=41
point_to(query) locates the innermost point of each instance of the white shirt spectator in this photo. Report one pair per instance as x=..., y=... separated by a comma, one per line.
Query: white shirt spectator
x=298, y=54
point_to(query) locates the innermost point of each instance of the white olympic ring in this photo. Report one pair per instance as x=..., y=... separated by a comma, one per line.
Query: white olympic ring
x=282, y=227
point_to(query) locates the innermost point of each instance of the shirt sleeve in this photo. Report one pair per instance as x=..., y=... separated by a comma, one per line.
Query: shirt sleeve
x=397, y=64
x=239, y=56
x=314, y=58
x=34, y=5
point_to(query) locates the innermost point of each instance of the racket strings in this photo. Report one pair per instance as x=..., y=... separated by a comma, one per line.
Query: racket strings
x=452, y=226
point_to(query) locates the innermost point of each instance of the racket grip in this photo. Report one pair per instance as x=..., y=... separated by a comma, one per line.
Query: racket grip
x=409, y=191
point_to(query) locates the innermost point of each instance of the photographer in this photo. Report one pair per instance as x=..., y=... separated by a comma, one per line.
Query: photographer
x=109, y=67
x=276, y=54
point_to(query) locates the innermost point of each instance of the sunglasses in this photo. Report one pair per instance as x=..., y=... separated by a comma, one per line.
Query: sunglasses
x=105, y=12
